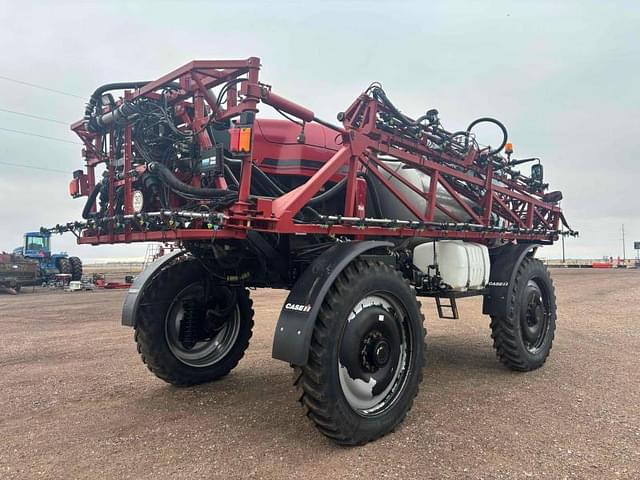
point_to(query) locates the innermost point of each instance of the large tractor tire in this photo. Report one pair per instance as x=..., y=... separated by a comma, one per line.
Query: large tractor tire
x=366, y=357
x=523, y=337
x=64, y=265
x=76, y=268
x=186, y=337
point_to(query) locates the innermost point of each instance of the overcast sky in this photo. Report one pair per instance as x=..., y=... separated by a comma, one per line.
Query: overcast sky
x=563, y=76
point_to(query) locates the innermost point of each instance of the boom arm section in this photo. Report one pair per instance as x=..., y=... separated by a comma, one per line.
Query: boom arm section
x=184, y=158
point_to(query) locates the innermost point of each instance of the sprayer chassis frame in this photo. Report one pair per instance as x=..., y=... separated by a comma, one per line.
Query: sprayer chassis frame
x=529, y=218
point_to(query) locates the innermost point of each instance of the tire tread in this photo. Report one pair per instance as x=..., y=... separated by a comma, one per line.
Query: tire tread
x=150, y=341
x=311, y=380
x=504, y=330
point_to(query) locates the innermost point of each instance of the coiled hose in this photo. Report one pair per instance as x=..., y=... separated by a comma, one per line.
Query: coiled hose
x=178, y=186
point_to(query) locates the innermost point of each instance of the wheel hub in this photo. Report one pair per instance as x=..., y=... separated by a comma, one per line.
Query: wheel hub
x=369, y=373
x=375, y=352
x=381, y=353
x=533, y=317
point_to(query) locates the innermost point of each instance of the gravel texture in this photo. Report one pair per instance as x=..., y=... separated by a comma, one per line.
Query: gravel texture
x=76, y=401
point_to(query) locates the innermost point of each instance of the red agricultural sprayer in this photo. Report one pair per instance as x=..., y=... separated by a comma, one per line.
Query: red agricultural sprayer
x=356, y=220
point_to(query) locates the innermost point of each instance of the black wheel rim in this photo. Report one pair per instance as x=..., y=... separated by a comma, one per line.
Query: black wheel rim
x=534, y=316
x=375, y=354
x=205, y=351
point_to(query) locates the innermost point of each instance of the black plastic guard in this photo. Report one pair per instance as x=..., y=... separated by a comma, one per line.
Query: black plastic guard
x=298, y=315
x=505, y=261
x=130, y=307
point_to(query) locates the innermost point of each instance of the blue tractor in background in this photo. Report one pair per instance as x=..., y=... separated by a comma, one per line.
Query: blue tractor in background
x=37, y=246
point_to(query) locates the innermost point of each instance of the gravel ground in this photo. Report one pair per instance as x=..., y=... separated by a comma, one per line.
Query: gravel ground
x=76, y=401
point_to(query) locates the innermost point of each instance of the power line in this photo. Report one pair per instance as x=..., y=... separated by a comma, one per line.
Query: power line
x=33, y=85
x=37, y=117
x=33, y=167
x=40, y=136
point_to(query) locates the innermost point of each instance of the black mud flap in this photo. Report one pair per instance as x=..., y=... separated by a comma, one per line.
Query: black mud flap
x=131, y=303
x=298, y=315
x=505, y=261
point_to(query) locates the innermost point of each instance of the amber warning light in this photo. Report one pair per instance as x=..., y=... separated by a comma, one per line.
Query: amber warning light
x=241, y=140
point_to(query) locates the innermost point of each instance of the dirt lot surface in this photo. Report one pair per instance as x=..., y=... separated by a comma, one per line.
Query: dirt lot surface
x=76, y=402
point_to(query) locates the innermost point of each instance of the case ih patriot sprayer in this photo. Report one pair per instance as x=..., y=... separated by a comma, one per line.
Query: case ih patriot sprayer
x=355, y=220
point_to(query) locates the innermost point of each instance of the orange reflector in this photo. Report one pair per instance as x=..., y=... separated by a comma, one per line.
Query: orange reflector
x=244, y=145
x=74, y=188
x=240, y=141
x=508, y=148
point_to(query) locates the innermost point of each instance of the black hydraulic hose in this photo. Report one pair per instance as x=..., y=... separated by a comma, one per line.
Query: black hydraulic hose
x=329, y=194
x=380, y=94
x=231, y=176
x=176, y=184
x=328, y=125
x=97, y=95
x=373, y=192
x=324, y=196
x=264, y=178
x=270, y=189
x=91, y=200
x=263, y=181
x=263, y=189
x=94, y=121
x=505, y=135
x=260, y=179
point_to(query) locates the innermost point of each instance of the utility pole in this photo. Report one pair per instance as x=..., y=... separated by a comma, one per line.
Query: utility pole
x=562, y=240
x=624, y=253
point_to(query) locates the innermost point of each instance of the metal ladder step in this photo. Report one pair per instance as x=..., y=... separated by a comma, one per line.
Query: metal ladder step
x=452, y=306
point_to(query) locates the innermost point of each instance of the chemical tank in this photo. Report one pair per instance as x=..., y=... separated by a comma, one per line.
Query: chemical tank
x=391, y=207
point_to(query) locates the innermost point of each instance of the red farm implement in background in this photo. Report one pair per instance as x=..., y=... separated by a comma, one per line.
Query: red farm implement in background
x=356, y=220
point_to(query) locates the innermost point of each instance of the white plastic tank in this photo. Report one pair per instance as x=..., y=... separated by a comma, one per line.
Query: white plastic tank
x=462, y=265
